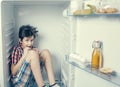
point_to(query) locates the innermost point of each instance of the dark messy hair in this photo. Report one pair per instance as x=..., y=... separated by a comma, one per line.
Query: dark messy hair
x=27, y=31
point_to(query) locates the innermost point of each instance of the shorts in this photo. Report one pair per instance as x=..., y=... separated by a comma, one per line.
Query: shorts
x=24, y=76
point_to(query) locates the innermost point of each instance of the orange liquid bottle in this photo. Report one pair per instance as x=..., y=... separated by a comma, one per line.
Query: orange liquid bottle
x=96, y=62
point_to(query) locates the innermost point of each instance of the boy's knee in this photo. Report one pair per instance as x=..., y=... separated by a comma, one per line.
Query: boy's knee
x=45, y=52
x=32, y=55
x=32, y=52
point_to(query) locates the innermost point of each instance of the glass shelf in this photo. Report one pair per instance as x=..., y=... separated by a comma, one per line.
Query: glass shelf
x=117, y=14
x=113, y=77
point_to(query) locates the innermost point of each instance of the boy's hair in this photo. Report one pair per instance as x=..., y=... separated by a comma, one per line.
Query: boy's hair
x=27, y=31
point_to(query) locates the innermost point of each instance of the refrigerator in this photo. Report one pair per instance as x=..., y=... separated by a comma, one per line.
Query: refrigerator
x=67, y=36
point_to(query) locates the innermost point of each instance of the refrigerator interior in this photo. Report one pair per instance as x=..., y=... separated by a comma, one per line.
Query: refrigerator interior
x=53, y=30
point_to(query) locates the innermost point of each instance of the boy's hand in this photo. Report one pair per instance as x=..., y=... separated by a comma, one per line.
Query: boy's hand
x=26, y=50
x=35, y=49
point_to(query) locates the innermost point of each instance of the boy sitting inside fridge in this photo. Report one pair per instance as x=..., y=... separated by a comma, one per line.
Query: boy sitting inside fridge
x=27, y=61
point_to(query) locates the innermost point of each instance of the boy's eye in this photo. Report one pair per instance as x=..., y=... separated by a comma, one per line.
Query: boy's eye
x=27, y=40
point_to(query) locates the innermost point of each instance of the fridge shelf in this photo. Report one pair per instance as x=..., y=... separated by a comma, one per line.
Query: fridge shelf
x=113, y=77
x=96, y=14
x=117, y=14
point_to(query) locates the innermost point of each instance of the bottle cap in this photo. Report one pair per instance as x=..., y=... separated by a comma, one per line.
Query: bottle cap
x=96, y=44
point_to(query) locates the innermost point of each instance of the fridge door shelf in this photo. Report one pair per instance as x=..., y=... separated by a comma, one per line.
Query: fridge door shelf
x=113, y=77
x=117, y=14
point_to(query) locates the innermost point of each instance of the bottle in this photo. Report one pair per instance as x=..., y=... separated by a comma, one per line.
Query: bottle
x=96, y=62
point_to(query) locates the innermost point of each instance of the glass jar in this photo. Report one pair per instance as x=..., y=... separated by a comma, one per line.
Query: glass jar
x=96, y=62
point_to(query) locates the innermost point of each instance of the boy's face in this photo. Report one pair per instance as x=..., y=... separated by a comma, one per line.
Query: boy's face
x=27, y=42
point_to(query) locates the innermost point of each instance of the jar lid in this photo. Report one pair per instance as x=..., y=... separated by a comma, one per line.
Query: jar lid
x=96, y=44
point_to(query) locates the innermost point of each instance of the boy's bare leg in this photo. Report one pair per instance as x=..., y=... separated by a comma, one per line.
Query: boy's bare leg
x=33, y=58
x=45, y=54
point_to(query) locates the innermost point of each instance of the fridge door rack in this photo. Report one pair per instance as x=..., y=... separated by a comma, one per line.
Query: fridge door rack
x=113, y=78
x=117, y=14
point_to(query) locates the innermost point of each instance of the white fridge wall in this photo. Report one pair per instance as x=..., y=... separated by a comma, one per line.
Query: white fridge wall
x=1, y=64
x=7, y=28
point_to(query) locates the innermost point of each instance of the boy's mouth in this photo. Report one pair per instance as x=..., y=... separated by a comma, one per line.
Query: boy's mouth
x=29, y=46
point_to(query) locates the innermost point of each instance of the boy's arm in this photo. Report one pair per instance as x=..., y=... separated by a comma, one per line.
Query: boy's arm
x=15, y=67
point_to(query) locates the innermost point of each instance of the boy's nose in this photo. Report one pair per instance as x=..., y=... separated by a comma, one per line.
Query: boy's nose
x=29, y=44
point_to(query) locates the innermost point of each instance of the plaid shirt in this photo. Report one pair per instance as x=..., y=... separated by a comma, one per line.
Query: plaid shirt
x=23, y=77
x=17, y=53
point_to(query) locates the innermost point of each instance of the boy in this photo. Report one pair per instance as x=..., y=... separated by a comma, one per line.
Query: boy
x=26, y=61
